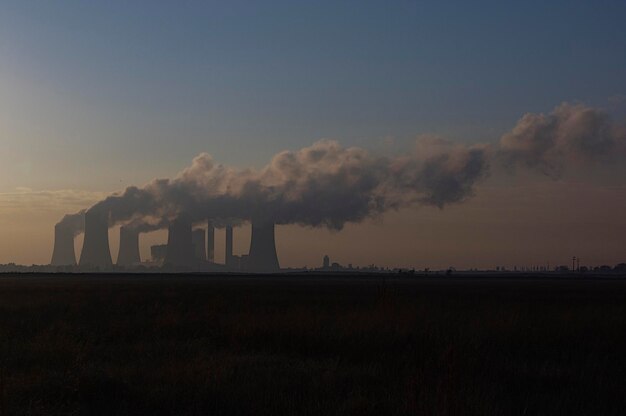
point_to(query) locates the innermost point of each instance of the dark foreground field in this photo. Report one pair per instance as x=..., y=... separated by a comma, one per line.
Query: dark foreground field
x=311, y=346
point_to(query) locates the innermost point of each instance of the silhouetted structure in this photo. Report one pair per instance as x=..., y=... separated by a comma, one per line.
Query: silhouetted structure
x=179, y=243
x=210, y=241
x=63, y=252
x=158, y=252
x=262, y=257
x=199, y=244
x=228, y=257
x=96, y=252
x=129, y=247
x=326, y=263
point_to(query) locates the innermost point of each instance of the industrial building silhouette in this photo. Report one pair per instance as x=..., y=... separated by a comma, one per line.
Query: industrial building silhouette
x=96, y=252
x=63, y=253
x=179, y=244
x=262, y=257
x=186, y=249
x=128, y=254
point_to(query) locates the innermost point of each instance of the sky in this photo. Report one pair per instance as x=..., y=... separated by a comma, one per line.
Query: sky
x=98, y=96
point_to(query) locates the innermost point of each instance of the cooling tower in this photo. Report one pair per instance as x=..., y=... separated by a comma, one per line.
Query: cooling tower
x=262, y=257
x=199, y=244
x=228, y=256
x=129, y=247
x=96, y=251
x=179, y=244
x=210, y=241
x=158, y=252
x=63, y=253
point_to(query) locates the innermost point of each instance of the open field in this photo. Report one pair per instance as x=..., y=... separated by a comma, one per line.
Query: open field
x=237, y=345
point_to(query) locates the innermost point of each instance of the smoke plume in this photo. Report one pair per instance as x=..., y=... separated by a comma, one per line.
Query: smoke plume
x=571, y=133
x=321, y=185
x=75, y=223
x=328, y=185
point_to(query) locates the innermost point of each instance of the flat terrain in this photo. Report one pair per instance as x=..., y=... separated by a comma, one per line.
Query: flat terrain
x=311, y=345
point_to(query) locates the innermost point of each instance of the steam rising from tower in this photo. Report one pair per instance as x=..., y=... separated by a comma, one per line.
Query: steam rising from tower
x=328, y=185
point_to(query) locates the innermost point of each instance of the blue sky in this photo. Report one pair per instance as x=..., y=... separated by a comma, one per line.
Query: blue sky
x=96, y=96
x=150, y=84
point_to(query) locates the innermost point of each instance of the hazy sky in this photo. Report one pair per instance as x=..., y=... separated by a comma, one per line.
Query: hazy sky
x=96, y=96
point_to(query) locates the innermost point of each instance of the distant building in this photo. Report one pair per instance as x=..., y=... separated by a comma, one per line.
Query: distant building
x=326, y=263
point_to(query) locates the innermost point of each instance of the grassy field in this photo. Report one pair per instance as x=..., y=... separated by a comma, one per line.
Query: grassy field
x=193, y=345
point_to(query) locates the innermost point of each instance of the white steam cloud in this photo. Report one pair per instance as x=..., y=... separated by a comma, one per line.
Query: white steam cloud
x=570, y=133
x=327, y=185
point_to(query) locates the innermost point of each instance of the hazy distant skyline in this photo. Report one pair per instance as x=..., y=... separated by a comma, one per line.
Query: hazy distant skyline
x=95, y=97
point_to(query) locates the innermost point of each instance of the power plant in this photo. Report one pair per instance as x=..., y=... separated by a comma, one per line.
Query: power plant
x=96, y=252
x=63, y=252
x=186, y=248
x=262, y=257
x=128, y=254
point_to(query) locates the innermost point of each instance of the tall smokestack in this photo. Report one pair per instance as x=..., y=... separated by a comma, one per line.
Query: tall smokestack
x=63, y=253
x=179, y=243
x=129, y=247
x=199, y=244
x=262, y=257
x=96, y=252
x=229, y=245
x=210, y=241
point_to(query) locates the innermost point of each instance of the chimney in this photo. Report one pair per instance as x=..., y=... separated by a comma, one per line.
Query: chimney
x=129, y=247
x=262, y=257
x=179, y=244
x=228, y=260
x=210, y=241
x=199, y=244
x=96, y=252
x=63, y=253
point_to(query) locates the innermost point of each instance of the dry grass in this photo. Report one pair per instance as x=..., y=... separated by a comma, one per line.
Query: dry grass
x=233, y=346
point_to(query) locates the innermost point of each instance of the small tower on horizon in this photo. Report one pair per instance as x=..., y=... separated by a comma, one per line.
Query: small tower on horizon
x=326, y=263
